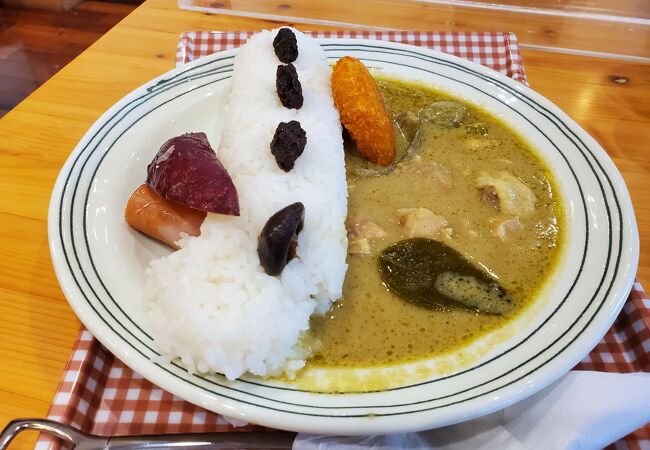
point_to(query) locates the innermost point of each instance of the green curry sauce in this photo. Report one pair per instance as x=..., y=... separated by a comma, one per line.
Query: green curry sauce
x=371, y=325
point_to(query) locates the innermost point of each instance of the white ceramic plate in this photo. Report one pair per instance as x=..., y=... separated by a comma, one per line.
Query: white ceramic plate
x=100, y=261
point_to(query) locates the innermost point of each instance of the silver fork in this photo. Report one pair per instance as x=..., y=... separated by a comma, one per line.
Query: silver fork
x=195, y=441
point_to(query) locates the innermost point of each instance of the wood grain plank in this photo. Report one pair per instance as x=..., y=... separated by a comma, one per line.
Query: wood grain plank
x=38, y=135
x=87, y=16
x=535, y=29
x=621, y=8
x=35, y=44
x=33, y=354
x=615, y=114
x=28, y=270
x=20, y=162
x=121, y=9
x=31, y=64
x=14, y=89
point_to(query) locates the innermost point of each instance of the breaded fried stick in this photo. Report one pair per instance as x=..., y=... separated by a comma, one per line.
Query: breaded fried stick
x=362, y=110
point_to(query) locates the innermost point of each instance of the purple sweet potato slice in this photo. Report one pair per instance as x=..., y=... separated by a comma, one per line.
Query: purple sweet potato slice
x=186, y=170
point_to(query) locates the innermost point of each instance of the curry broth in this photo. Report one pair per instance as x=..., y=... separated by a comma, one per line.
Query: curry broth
x=370, y=325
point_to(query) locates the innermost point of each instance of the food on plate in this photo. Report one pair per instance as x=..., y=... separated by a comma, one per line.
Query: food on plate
x=491, y=259
x=187, y=171
x=434, y=275
x=162, y=219
x=408, y=126
x=434, y=225
x=502, y=227
x=506, y=193
x=288, y=143
x=219, y=305
x=288, y=86
x=285, y=45
x=279, y=238
x=444, y=114
x=421, y=222
x=362, y=111
x=362, y=230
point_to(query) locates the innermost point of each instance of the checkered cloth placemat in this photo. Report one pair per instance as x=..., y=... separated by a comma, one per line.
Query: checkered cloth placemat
x=100, y=395
x=498, y=51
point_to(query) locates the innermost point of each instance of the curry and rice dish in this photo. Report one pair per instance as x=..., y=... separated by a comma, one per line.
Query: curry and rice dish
x=430, y=226
x=444, y=189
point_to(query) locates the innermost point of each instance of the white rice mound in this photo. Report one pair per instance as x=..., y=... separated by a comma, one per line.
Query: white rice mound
x=210, y=303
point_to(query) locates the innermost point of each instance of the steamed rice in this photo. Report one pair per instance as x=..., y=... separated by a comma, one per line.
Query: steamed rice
x=211, y=303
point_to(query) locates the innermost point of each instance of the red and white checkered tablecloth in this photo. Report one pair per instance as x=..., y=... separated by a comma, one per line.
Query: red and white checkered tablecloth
x=100, y=395
x=498, y=51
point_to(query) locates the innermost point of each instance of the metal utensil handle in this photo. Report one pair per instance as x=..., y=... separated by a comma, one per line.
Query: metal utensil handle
x=68, y=434
x=195, y=441
x=204, y=441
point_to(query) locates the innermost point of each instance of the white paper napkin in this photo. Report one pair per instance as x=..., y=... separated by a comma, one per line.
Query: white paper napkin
x=583, y=410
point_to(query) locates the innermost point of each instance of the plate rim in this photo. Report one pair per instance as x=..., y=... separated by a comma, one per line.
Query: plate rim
x=603, y=158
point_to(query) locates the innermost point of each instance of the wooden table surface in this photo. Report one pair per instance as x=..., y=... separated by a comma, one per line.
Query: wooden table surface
x=596, y=69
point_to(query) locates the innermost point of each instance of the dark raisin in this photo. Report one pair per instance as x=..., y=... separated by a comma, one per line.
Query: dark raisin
x=285, y=45
x=288, y=86
x=278, y=240
x=288, y=144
